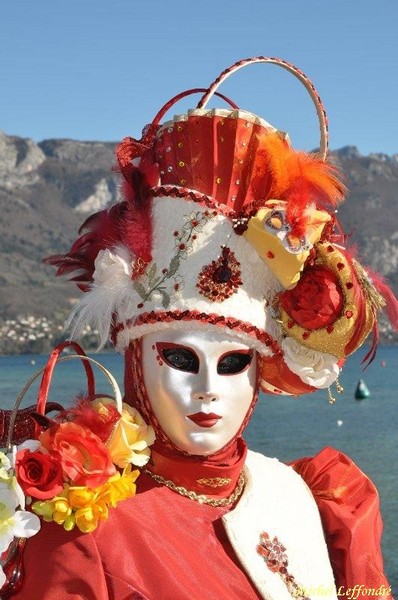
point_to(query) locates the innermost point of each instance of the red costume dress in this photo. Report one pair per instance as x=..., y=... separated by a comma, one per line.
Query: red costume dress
x=225, y=230
x=162, y=546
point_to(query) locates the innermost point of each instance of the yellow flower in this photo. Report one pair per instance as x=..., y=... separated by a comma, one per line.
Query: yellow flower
x=87, y=518
x=61, y=510
x=123, y=486
x=130, y=439
x=80, y=497
x=84, y=507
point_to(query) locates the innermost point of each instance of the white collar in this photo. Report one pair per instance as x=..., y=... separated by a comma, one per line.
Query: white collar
x=277, y=501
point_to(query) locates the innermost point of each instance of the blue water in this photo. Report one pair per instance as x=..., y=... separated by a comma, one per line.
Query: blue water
x=282, y=426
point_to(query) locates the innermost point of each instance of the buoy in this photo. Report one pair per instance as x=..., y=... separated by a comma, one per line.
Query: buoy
x=362, y=391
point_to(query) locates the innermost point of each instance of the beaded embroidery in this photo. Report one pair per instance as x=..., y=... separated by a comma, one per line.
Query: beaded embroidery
x=167, y=283
x=219, y=280
x=274, y=554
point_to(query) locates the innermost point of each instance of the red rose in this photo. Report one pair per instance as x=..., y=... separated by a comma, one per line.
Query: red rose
x=39, y=475
x=83, y=457
x=316, y=301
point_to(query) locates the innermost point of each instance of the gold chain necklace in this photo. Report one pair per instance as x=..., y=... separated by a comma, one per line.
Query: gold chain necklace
x=201, y=498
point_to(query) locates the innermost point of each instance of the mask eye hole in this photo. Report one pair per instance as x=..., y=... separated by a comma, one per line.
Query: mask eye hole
x=179, y=357
x=233, y=363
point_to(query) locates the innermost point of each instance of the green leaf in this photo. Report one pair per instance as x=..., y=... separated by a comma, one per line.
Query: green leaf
x=139, y=288
x=152, y=272
x=173, y=267
x=165, y=299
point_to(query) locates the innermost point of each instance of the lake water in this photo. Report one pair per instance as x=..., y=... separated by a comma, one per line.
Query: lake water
x=284, y=427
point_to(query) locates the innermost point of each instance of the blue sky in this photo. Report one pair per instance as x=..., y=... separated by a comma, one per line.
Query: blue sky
x=100, y=69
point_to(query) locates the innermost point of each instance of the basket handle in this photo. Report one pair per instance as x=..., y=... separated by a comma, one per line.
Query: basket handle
x=166, y=107
x=322, y=117
x=48, y=372
x=87, y=360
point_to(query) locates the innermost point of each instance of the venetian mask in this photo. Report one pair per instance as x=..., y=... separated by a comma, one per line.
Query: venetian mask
x=200, y=386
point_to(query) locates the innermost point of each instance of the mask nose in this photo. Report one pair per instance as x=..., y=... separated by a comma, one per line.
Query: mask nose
x=205, y=396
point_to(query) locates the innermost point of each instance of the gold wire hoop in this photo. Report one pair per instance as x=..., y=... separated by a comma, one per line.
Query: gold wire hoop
x=320, y=109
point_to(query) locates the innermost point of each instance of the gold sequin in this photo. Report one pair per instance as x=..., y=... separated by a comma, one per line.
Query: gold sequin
x=214, y=481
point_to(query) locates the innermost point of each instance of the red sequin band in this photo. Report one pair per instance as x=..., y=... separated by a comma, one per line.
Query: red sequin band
x=208, y=319
x=172, y=191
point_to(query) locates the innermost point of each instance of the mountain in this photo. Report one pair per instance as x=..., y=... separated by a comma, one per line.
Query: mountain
x=47, y=189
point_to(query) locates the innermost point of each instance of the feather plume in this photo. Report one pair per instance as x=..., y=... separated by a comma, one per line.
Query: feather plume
x=101, y=422
x=101, y=230
x=128, y=223
x=303, y=180
x=111, y=288
x=381, y=295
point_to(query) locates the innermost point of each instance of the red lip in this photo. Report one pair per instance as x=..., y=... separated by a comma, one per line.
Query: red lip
x=204, y=419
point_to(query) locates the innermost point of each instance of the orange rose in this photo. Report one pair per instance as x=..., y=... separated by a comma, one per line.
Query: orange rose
x=83, y=457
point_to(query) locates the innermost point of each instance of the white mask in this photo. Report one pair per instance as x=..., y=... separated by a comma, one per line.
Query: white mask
x=200, y=386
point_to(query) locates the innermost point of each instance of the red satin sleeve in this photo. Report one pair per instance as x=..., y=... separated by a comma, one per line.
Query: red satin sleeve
x=60, y=565
x=348, y=503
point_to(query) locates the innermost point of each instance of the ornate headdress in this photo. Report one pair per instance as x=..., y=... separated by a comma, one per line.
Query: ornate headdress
x=224, y=224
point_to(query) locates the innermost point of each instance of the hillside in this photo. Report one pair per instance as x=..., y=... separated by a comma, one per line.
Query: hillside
x=47, y=190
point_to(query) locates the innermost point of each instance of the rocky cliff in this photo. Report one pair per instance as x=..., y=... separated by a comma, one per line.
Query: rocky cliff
x=47, y=189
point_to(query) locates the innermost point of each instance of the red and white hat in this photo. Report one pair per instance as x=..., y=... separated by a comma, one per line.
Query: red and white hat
x=223, y=224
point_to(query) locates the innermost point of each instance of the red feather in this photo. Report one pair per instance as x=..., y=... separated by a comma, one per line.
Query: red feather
x=102, y=230
x=391, y=307
x=84, y=414
x=128, y=223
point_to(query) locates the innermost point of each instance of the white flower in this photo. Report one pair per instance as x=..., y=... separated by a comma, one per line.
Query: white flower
x=2, y=578
x=14, y=523
x=31, y=445
x=317, y=369
x=110, y=290
x=112, y=267
x=5, y=467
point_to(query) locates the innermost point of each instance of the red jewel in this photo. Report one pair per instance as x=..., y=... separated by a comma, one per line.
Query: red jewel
x=140, y=305
x=340, y=266
x=175, y=233
x=182, y=246
x=349, y=285
x=270, y=254
x=290, y=323
x=222, y=274
x=306, y=335
x=349, y=314
x=329, y=328
x=330, y=249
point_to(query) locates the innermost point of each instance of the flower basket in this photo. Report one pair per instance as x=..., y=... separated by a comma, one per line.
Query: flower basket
x=72, y=470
